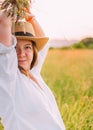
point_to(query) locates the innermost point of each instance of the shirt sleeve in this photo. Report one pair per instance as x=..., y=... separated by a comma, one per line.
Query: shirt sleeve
x=41, y=57
x=8, y=65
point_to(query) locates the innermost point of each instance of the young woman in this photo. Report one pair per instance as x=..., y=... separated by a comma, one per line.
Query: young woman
x=26, y=103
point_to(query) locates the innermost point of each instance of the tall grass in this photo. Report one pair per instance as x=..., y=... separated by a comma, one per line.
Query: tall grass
x=69, y=74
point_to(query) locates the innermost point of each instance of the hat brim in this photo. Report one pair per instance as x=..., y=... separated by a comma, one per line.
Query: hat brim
x=40, y=41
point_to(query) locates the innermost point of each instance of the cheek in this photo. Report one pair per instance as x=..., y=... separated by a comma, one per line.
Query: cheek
x=30, y=56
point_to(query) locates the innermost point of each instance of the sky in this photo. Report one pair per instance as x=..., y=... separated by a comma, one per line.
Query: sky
x=65, y=19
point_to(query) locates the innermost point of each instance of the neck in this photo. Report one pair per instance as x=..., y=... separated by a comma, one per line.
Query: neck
x=25, y=72
x=28, y=74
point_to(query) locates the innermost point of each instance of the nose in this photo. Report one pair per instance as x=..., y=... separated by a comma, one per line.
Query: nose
x=21, y=52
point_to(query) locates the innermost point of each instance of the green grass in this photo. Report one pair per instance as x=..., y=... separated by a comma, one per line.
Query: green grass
x=69, y=74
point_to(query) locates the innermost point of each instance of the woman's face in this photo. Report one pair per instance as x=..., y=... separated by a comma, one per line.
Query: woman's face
x=24, y=51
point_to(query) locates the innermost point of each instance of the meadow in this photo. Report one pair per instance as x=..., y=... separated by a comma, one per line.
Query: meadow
x=69, y=74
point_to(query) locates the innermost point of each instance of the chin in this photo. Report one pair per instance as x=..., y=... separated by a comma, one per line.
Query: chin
x=23, y=67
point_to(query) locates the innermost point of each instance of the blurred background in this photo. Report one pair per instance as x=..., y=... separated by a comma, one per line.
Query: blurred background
x=65, y=21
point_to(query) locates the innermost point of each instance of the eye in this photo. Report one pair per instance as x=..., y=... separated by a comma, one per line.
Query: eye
x=28, y=47
x=16, y=48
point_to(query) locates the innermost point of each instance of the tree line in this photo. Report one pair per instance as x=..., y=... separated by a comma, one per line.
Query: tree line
x=86, y=43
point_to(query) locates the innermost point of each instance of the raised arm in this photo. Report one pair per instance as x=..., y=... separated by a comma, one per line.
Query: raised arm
x=8, y=59
x=36, y=26
x=39, y=33
x=5, y=29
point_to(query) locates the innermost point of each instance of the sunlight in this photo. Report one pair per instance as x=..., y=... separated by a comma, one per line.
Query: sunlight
x=73, y=18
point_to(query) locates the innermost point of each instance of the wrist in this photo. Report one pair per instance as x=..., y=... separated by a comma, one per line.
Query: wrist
x=30, y=19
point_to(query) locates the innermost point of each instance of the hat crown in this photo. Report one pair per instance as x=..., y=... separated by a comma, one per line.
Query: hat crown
x=23, y=27
x=25, y=31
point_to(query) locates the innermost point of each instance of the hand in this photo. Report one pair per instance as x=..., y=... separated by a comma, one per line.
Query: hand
x=29, y=16
x=1, y=1
x=4, y=18
x=5, y=28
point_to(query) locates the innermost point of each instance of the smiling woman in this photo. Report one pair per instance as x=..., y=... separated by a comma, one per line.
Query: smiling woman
x=25, y=54
x=25, y=99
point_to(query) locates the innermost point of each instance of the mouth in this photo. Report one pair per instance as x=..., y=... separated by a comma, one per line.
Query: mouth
x=21, y=61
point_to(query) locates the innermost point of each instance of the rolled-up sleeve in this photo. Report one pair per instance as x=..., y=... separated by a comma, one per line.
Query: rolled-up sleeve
x=8, y=65
x=4, y=49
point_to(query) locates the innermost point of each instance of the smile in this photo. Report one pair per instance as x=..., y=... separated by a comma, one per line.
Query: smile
x=21, y=61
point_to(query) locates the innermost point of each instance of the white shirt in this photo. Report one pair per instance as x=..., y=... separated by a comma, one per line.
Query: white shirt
x=23, y=105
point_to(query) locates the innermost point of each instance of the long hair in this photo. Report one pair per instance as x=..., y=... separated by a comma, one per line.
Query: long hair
x=34, y=61
x=35, y=55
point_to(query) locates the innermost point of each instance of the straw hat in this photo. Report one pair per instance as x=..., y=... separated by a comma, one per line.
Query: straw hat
x=24, y=30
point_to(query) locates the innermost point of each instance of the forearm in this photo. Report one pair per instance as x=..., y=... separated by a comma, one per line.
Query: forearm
x=8, y=61
x=5, y=38
x=36, y=26
x=5, y=29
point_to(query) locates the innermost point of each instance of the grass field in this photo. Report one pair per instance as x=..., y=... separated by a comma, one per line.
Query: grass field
x=69, y=74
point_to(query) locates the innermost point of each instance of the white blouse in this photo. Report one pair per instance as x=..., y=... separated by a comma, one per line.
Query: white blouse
x=23, y=105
